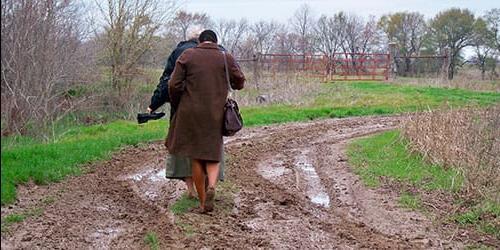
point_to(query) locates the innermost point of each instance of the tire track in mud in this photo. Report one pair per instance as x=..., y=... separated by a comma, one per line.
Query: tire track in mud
x=289, y=187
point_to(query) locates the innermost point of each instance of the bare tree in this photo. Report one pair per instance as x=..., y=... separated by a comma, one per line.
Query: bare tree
x=360, y=37
x=231, y=33
x=184, y=20
x=286, y=42
x=263, y=34
x=330, y=33
x=129, y=32
x=41, y=60
x=353, y=29
x=303, y=23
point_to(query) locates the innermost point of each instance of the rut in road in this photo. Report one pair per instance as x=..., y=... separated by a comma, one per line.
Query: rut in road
x=289, y=186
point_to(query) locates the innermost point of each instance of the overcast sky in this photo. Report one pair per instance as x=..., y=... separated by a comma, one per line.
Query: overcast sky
x=282, y=10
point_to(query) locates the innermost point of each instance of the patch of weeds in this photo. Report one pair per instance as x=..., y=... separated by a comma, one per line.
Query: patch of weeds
x=188, y=229
x=152, y=241
x=11, y=219
x=15, y=218
x=484, y=218
x=33, y=212
x=469, y=217
x=48, y=200
x=410, y=201
x=183, y=204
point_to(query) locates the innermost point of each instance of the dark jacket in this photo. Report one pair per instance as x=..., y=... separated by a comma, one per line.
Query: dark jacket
x=198, y=87
x=160, y=95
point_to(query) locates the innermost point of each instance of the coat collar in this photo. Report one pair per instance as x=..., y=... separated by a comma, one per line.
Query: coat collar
x=208, y=46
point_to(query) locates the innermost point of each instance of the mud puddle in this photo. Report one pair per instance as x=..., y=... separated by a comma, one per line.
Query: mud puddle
x=315, y=191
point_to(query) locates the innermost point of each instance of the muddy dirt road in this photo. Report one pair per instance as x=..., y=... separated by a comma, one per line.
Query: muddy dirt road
x=288, y=186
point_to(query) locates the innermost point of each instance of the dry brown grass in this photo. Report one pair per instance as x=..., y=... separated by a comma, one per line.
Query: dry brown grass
x=465, y=79
x=285, y=87
x=468, y=139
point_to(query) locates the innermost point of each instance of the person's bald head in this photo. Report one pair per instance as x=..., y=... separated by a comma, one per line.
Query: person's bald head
x=194, y=31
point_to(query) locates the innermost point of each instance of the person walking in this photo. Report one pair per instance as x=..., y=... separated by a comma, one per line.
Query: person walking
x=199, y=89
x=177, y=167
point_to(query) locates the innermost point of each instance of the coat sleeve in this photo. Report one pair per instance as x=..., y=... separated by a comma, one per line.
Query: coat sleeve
x=176, y=85
x=160, y=95
x=236, y=76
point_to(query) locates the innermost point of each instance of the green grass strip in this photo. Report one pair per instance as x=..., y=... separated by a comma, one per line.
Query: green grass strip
x=385, y=155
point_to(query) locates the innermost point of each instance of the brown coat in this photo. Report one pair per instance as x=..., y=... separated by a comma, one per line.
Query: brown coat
x=198, y=88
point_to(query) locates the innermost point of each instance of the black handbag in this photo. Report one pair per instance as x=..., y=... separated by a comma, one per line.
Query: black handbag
x=233, y=122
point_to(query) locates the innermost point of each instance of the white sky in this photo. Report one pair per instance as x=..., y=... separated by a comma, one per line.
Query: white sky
x=282, y=10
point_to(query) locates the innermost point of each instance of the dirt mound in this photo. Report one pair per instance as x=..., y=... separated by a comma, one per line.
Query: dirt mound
x=289, y=186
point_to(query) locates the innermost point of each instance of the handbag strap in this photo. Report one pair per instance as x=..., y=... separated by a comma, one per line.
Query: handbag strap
x=226, y=69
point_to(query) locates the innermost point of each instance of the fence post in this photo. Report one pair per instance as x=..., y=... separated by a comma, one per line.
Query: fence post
x=446, y=63
x=392, y=68
x=256, y=71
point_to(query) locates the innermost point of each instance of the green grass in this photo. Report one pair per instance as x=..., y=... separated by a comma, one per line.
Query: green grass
x=25, y=158
x=20, y=217
x=152, y=241
x=183, y=204
x=385, y=155
x=410, y=201
x=481, y=216
x=50, y=162
x=11, y=219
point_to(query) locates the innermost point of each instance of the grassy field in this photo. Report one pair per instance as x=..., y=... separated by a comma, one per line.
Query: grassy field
x=361, y=98
x=25, y=158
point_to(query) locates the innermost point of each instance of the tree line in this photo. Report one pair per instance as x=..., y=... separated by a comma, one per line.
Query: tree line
x=50, y=46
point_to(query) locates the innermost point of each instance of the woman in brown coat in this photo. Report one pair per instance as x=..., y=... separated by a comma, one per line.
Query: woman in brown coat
x=199, y=89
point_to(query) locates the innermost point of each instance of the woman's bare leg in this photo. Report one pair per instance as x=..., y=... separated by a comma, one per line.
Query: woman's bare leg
x=213, y=173
x=190, y=187
x=199, y=180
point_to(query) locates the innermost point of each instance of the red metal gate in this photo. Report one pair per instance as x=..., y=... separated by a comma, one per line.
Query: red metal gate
x=340, y=66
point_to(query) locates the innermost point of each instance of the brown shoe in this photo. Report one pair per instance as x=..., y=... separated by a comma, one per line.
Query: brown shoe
x=209, y=203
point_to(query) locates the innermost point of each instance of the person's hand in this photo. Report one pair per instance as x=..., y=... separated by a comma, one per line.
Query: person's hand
x=150, y=110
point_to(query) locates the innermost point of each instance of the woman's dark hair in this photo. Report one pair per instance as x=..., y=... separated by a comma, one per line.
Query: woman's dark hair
x=208, y=35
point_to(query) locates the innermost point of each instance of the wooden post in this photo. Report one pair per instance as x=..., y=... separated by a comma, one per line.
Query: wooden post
x=392, y=67
x=256, y=71
x=446, y=63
